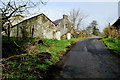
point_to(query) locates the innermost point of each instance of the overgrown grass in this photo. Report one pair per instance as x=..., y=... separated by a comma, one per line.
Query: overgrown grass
x=25, y=59
x=14, y=46
x=113, y=44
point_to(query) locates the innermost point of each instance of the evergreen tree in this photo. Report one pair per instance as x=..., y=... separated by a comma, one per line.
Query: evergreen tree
x=93, y=26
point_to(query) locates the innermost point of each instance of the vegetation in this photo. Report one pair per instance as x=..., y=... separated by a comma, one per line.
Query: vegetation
x=92, y=29
x=75, y=35
x=112, y=44
x=28, y=59
x=112, y=32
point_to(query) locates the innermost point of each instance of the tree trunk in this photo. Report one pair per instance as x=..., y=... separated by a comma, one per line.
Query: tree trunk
x=8, y=32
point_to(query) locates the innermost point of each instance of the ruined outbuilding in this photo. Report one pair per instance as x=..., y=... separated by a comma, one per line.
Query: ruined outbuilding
x=41, y=26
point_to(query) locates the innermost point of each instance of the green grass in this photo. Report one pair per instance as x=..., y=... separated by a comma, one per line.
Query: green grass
x=25, y=60
x=113, y=44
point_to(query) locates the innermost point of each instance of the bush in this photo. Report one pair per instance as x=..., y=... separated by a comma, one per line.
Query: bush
x=75, y=35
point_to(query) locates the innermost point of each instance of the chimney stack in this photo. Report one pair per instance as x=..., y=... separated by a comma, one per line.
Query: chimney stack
x=109, y=24
x=65, y=16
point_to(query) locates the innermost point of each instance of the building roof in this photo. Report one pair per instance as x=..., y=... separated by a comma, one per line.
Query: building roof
x=117, y=23
x=33, y=17
x=57, y=21
x=16, y=19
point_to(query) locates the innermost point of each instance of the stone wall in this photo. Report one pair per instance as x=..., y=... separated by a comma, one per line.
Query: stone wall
x=42, y=27
x=38, y=26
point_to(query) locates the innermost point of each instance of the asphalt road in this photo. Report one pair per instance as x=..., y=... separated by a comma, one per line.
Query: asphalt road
x=89, y=58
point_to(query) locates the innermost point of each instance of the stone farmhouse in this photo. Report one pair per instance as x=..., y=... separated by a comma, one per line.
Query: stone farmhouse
x=41, y=26
x=64, y=26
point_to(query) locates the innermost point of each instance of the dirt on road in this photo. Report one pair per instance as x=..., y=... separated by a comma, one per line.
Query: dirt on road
x=88, y=58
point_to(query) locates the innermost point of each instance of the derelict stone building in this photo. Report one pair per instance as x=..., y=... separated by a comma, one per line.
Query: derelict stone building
x=38, y=26
x=41, y=26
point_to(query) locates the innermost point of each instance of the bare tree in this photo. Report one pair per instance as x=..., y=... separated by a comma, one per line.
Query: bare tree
x=76, y=17
x=13, y=8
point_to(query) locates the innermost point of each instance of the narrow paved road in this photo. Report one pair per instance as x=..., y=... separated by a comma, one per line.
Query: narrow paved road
x=89, y=58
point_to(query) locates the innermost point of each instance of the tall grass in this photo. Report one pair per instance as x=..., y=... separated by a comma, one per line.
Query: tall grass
x=27, y=61
x=113, y=44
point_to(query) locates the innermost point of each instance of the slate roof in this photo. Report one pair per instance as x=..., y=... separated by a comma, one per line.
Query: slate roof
x=57, y=21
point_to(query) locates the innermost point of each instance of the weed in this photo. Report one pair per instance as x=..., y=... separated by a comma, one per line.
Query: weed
x=23, y=60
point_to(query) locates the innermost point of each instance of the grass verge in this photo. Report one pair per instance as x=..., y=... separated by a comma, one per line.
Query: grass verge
x=26, y=59
x=112, y=44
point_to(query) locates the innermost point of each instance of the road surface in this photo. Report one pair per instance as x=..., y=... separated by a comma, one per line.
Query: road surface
x=89, y=58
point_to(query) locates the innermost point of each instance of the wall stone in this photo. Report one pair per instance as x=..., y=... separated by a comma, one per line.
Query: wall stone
x=38, y=26
x=57, y=35
x=41, y=26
